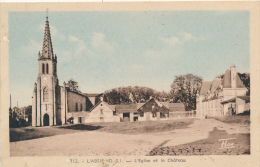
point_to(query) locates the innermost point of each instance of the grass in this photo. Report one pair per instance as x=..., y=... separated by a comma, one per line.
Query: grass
x=28, y=133
x=144, y=127
x=235, y=119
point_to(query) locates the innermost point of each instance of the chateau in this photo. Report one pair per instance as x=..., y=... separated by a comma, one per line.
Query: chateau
x=223, y=96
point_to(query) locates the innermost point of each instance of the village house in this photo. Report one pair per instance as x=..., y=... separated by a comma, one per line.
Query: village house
x=223, y=97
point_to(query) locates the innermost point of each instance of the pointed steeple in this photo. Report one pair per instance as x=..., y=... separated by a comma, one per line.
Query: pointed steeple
x=47, y=51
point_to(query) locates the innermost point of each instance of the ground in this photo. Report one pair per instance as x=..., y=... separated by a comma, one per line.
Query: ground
x=173, y=137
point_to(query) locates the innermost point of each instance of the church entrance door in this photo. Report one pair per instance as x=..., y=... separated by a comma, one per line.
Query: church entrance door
x=46, y=120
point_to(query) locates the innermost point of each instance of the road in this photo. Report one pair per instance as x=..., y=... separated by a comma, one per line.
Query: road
x=92, y=143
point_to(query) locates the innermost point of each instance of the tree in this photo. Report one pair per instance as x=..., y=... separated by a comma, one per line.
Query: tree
x=184, y=89
x=130, y=95
x=245, y=78
x=72, y=85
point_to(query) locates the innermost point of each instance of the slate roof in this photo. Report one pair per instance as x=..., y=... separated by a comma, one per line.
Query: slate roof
x=166, y=104
x=139, y=105
x=95, y=106
x=99, y=104
x=126, y=108
x=205, y=87
x=213, y=98
x=245, y=98
x=233, y=100
x=94, y=94
x=162, y=107
x=176, y=107
x=226, y=82
x=216, y=82
x=82, y=94
x=113, y=107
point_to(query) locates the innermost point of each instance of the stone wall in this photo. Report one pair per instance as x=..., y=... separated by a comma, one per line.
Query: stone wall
x=73, y=99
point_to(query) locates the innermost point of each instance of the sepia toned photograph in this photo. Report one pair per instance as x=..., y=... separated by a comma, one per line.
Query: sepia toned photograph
x=129, y=83
x=122, y=85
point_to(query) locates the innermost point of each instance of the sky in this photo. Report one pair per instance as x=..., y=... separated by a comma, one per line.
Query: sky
x=102, y=50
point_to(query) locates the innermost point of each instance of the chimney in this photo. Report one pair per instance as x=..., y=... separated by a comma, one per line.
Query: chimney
x=233, y=75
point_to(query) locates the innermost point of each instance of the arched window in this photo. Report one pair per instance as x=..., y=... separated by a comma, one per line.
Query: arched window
x=47, y=68
x=43, y=68
x=45, y=94
x=54, y=69
x=77, y=108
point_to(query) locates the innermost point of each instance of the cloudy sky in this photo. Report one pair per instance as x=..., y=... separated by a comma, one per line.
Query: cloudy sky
x=104, y=50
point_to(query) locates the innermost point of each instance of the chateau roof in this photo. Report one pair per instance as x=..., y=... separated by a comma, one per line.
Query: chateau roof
x=216, y=82
x=226, y=82
x=205, y=87
x=233, y=100
x=245, y=98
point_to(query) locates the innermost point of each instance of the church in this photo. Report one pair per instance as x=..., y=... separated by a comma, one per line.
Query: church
x=53, y=104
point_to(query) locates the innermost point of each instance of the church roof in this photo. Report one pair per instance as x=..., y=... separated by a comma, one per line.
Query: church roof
x=226, y=82
x=94, y=94
x=47, y=50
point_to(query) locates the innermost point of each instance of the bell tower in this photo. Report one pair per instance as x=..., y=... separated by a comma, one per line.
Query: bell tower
x=44, y=106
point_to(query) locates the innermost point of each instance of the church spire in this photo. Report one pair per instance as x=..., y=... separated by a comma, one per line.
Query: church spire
x=47, y=51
